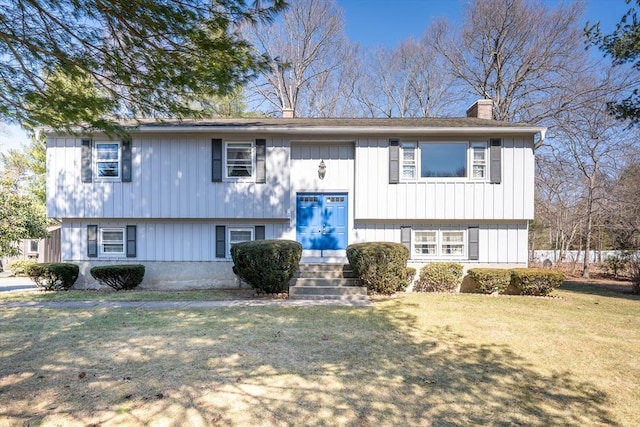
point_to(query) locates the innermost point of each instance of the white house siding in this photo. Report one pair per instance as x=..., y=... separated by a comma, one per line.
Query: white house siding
x=452, y=199
x=171, y=178
x=184, y=248
x=502, y=242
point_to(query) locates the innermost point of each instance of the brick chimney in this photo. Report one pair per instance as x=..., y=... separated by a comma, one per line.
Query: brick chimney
x=481, y=109
x=287, y=113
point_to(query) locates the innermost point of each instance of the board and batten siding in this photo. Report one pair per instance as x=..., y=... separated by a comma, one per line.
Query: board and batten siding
x=504, y=242
x=453, y=199
x=171, y=178
x=162, y=240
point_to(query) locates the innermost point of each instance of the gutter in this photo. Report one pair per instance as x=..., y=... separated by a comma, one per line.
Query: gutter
x=347, y=130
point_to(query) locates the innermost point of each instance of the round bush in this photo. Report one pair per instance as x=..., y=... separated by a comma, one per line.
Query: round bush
x=380, y=266
x=439, y=277
x=54, y=276
x=266, y=265
x=119, y=277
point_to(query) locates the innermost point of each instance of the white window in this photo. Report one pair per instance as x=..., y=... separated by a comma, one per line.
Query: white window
x=425, y=243
x=409, y=166
x=111, y=241
x=478, y=160
x=239, y=234
x=437, y=160
x=107, y=160
x=239, y=161
x=439, y=243
x=452, y=243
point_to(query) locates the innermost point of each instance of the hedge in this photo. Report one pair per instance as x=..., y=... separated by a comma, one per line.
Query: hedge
x=119, y=277
x=380, y=266
x=21, y=267
x=267, y=265
x=439, y=277
x=490, y=280
x=54, y=276
x=535, y=281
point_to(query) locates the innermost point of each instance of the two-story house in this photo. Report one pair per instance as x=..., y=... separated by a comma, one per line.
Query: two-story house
x=175, y=196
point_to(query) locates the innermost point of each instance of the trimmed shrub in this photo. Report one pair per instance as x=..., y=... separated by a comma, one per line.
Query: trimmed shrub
x=490, y=280
x=119, y=277
x=380, y=266
x=266, y=265
x=54, y=276
x=536, y=281
x=21, y=267
x=439, y=277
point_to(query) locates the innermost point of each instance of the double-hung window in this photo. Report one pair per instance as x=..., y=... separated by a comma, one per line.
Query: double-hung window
x=439, y=243
x=107, y=160
x=111, y=241
x=478, y=160
x=238, y=235
x=239, y=160
x=409, y=163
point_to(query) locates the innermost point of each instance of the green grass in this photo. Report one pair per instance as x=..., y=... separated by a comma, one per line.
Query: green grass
x=417, y=359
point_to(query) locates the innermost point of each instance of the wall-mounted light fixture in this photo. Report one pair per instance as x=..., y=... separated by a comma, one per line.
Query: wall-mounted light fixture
x=322, y=169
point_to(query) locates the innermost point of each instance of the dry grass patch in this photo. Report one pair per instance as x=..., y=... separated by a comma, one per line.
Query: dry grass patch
x=412, y=360
x=130, y=295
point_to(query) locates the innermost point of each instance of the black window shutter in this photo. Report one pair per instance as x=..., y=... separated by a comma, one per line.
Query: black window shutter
x=92, y=241
x=86, y=162
x=495, y=160
x=405, y=237
x=259, y=232
x=221, y=244
x=125, y=156
x=473, y=242
x=394, y=161
x=216, y=160
x=261, y=164
x=131, y=241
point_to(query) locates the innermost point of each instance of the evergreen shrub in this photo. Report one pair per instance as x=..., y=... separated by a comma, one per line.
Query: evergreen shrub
x=380, y=266
x=266, y=265
x=536, y=281
x=490, y=280
x=54, y=276
x=119, y=276
x=439, y=277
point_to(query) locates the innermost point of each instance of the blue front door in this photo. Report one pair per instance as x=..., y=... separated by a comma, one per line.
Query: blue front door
x=321, y=220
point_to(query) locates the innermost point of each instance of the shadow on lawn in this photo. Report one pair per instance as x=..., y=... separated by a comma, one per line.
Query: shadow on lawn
x=610, y=289
x=286, y=366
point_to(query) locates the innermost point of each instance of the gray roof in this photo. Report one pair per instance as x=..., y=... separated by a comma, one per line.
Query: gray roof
x=449, y=122
x=346, y=127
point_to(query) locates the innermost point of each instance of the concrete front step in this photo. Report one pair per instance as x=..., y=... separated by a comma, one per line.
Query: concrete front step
x=326, y=281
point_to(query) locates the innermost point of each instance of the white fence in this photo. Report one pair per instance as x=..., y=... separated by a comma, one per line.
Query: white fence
x=570, y=256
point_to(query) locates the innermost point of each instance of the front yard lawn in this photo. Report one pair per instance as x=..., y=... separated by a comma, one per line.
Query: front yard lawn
x=416, y=359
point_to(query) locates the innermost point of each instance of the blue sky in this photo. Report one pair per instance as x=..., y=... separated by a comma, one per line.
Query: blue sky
x=387, y=22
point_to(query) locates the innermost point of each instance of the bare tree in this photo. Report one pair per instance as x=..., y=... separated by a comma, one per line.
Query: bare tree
x=305, y=49
x=517, y=53
x=595, y=142
x=410, y=80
